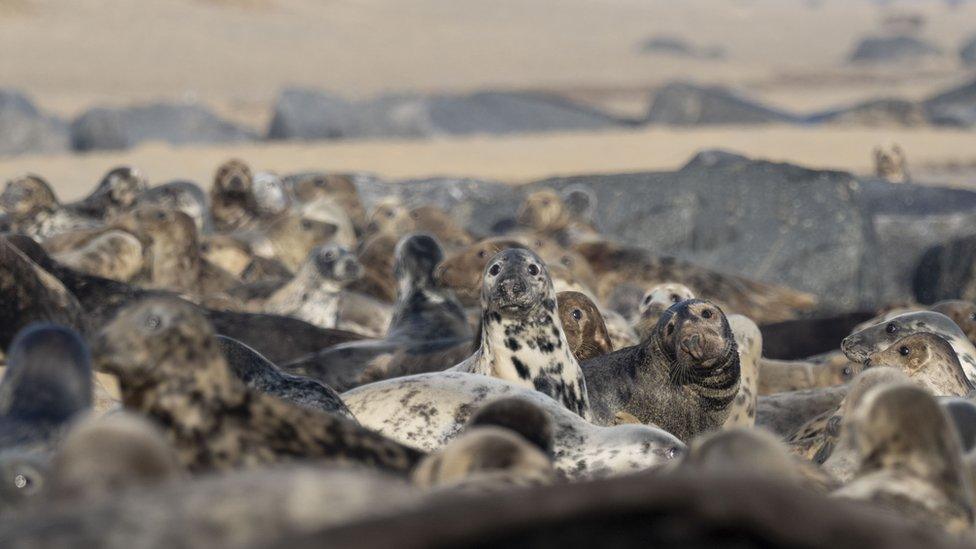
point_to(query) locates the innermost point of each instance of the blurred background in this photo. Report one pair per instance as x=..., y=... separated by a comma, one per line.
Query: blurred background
x=501, y=89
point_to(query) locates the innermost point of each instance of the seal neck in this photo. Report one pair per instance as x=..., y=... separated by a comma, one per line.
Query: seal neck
x=533, y=352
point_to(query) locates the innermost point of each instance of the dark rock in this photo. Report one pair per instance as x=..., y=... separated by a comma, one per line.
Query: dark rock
x=115, y=129
x=881, y=49
x=682, y=104
x=956, y=106
x=968, y=52
x=310, y=114
x=23, y=129
x=877, y=113
x=669, y=45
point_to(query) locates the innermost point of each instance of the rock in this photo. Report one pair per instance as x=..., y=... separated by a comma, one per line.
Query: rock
x=968, y=52
x=24, y=130
x=884, y=49
x=673, y=46
x=115, y=129
x=956, y=106
x=683, y=104
x=309, y=114
x=877, y=113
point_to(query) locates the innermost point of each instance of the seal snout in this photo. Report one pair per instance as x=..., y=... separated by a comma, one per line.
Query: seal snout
x=851, y=346
x=695, y=346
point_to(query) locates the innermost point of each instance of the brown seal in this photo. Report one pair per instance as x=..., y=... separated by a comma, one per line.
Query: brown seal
x=114, y=254
x=585, y=330
x=33, y=209
x=116, y=193
x=928, y=360
x=684, y=378
x=232, y=201
x=170, y=367
x=910, y=459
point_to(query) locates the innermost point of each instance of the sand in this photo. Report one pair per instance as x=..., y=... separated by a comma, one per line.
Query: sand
x=236, y=55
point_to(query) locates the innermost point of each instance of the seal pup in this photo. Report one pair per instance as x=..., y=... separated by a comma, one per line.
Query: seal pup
x=748, y=341
x=753, y=452
x=170, y=368
x=928, y=360
x=657, y=300
x=337, y=187
x=832, y=369
x=684, y=378
x=583, y=324
x=428, y=410
x=271, y=197
x=260, y=374
x=859, y=345
x=428, y=330
x=232, y=202
x=317, y=295
x=101, y=456
x=910, y=461
x=185, y=196
x=548, y=212
x=30, y=294
x=963, y=313
x=116, y=192
x=522, y=340
x=33, y=209
x=617, y=265
x=47, y=383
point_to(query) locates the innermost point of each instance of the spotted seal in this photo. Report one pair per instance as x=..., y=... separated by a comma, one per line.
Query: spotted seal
x=338, y=187
x=317, y=295
x=116, y=192
x=910, y=461
x=428, y=410
x=684, y=378
x=859, y=345
x=185, y=196
x=655, y=302
x=33, y=209
x=522, y=340
x=428, y=330
x=113, y=254
x=928, y=360
x=260, y=374
x=748, y=341
x=170, y=368
x=583, y=324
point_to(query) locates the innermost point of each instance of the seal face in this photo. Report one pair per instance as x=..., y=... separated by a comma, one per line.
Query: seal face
x=657, y=300
x=232, y=201
x=584, y=326
x=910, y=460
x=860, y=345
x=929, y=360
x=115, y=193
x=34, y=210
x=683, y=378
x=522, y=339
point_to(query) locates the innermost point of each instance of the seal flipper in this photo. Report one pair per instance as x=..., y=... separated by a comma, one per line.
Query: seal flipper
x=48, y=377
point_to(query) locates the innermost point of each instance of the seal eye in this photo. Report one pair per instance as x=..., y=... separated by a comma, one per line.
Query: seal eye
x=306, y=224
x=533, y=269
x=577, y=314
x=706, y=314
x=675, y=298
x=160, y=215
x=891, y=328
x=414, y=215
x=153, y=322
x=972, y=316
x=567, y=261
x=481, y=254
x=647, y=300
x=904, y=351
x=329, y=255
x=494, y=270
x=847, y=372
x=389, y=213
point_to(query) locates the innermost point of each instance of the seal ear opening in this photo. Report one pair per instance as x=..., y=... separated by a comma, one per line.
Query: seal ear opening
x=49, y=375
x=521, y=416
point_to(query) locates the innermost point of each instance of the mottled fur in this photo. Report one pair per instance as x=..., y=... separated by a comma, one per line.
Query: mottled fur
x=928, y=360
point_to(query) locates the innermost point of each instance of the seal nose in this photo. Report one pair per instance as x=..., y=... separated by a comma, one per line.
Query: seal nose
x=236, y=183
x=694, y=345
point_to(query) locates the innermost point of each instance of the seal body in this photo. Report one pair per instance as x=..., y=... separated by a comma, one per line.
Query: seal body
x=583, y=324
x=428, y=410
x=684, y=378
x=748, y=342
x=859, y=345
x=522, y=340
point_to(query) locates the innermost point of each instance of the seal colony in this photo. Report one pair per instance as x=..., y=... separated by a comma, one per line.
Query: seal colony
x=292, y=356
